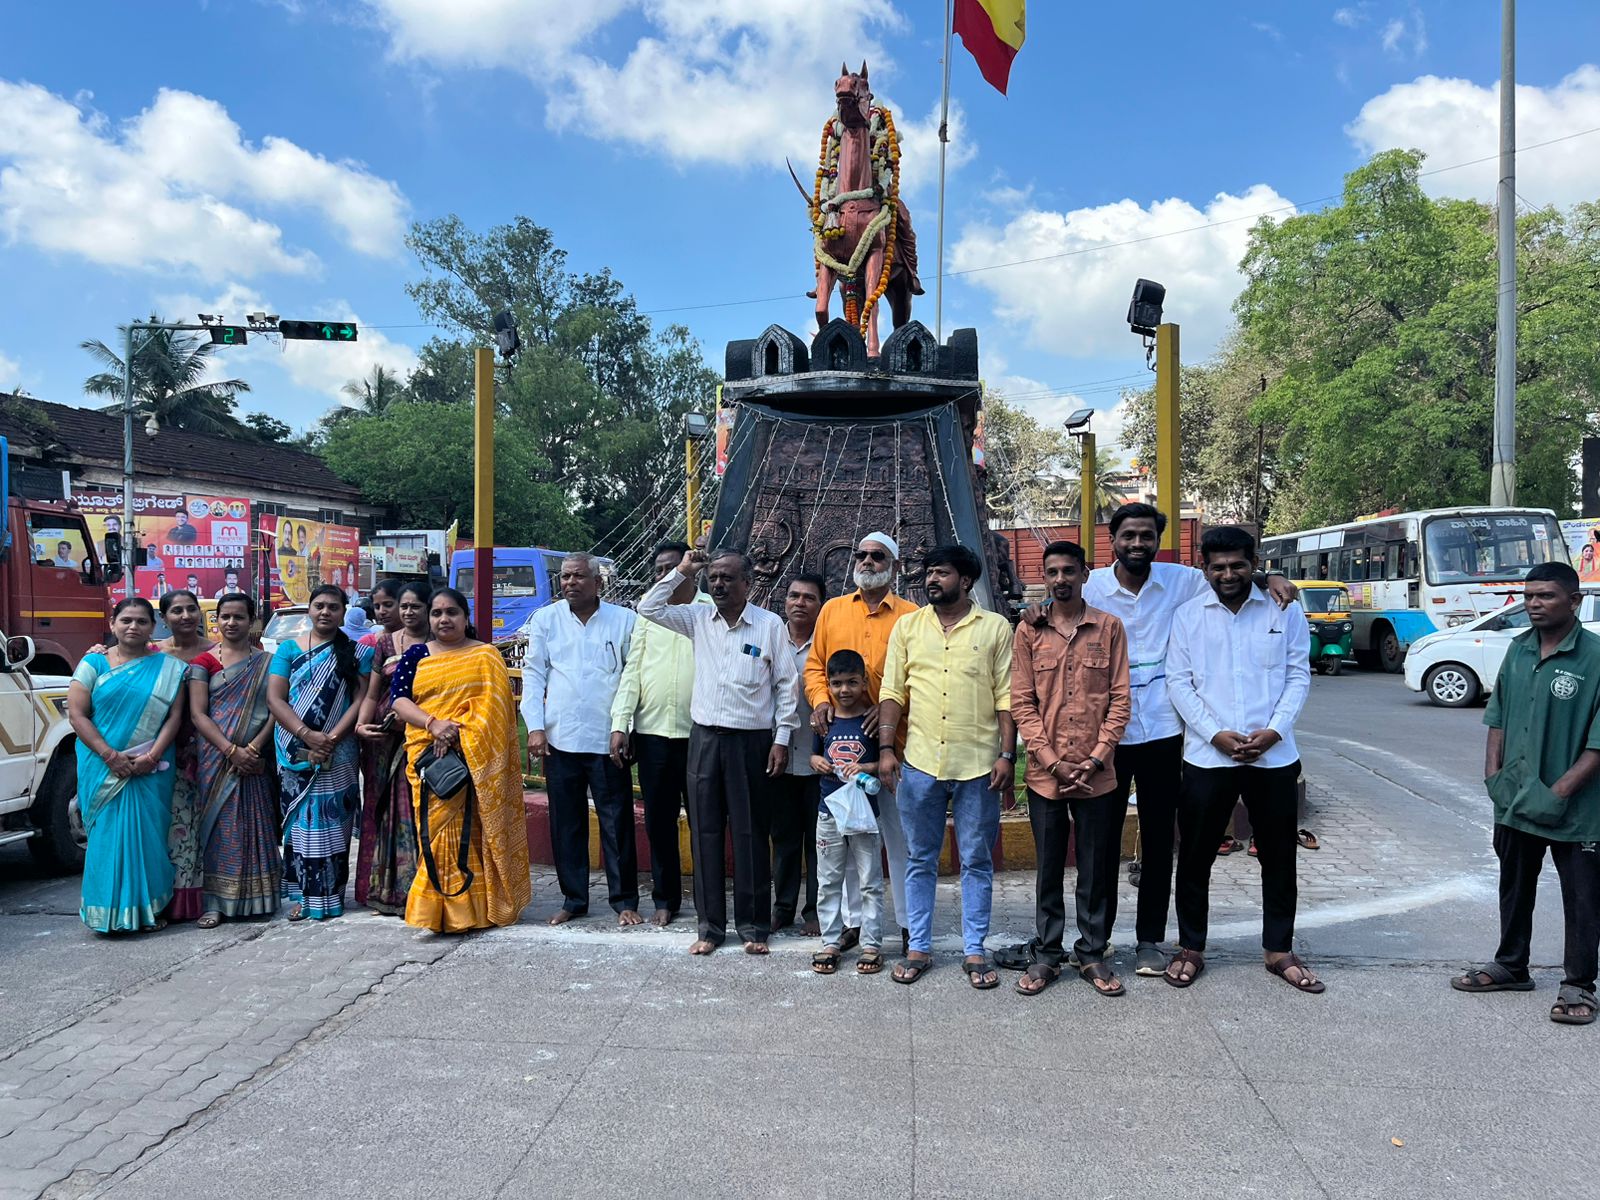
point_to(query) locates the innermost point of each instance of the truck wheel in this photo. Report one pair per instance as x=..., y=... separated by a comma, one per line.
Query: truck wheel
x=1450, y=685
x=62, y=839
x=1391, y=656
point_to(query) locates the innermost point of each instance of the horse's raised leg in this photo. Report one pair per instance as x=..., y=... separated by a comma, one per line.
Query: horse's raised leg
x=824, y=290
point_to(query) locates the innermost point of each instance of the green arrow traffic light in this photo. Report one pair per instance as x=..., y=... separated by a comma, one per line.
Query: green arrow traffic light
x=319, y=331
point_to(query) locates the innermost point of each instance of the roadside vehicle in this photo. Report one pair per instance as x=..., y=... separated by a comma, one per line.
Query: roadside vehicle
x=526, y=578
x=1327, y=609
x=1409, y=574
x=291, y=621
x=1457, y=667
x=38, y=764
x=52, y=585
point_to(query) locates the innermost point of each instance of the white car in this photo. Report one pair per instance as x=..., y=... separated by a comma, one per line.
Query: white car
x=1457, y=667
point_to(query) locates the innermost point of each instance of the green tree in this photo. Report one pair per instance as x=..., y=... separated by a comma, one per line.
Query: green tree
x=601, y=395
x=1373, y=324
x=169, y=381
x=269, y=428
x=373, y=392
x=1030, y=466
x=418, y=457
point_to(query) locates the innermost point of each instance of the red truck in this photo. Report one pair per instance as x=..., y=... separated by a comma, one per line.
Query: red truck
x=52, y=583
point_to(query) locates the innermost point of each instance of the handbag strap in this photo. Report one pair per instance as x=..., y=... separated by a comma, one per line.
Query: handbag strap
x=426, y=839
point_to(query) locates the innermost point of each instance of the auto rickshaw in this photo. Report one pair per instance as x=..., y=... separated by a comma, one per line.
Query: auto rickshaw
x=1327, y=609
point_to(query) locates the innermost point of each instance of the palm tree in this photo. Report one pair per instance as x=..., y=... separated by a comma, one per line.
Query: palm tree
x=169, y=381
x=1106, y=495
x=373, y=393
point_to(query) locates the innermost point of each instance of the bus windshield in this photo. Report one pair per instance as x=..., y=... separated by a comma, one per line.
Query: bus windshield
x=1474, y=548
x=521, y=579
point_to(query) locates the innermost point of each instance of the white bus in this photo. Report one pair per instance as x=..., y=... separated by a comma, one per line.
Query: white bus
x=1412, y=573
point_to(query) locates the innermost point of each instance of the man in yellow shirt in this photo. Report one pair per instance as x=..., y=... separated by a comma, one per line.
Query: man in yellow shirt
x=861, y=621
x=650, y=725
x=950, y=663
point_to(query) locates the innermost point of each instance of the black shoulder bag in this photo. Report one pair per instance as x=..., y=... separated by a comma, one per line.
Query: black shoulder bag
x=444, y=775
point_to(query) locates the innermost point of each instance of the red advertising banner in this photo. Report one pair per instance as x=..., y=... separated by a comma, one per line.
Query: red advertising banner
x=196, y=542
x=303, y=555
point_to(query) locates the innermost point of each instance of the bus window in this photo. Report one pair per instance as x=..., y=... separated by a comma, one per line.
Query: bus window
x=1358, y=565
x=1492, y=546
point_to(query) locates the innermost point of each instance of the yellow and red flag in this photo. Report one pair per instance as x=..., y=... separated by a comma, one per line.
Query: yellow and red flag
x=993, y=32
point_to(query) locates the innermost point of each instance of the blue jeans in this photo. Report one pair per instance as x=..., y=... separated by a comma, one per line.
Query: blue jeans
x=923, y=803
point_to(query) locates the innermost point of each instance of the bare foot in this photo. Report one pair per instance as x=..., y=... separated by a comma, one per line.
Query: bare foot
x=629, y=917
x=755, y=948
x=702, y=947
x=812, y=928
x=562, y=917
x=662, y=918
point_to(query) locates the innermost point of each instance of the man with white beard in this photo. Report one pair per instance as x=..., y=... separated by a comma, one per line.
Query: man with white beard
x=861, y=621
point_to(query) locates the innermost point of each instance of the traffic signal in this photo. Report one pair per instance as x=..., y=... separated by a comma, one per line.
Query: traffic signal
x=319, y=331
x=229, y=335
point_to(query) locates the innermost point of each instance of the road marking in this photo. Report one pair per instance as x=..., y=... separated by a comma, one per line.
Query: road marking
x=1462, y=887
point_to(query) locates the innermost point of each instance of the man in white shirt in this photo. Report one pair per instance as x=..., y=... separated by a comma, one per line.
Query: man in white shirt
x=1144, y=595
x=1238, y=672
x=577, y=648
x=745, y=717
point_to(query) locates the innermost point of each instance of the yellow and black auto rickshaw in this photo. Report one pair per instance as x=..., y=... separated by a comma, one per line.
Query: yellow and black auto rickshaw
x=1327, y=608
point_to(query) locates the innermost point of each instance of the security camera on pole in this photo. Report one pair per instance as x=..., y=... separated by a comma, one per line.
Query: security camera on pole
x=1161, y=339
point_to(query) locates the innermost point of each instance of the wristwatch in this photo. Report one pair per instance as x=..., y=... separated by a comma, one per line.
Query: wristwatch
x=1009, y=755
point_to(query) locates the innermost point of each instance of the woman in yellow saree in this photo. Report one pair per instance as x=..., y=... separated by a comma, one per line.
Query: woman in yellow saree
x=453, y=693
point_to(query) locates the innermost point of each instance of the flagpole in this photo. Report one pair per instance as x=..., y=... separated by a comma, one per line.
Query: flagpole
x=944, y=141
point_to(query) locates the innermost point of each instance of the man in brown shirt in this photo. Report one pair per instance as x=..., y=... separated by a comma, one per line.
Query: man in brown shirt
x=1070, y=699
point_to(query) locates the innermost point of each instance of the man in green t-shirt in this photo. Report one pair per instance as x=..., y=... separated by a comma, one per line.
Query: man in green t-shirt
x=1542, y=769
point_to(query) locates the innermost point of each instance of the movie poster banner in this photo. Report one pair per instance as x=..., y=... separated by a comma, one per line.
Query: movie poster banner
x=303, y=555
x=195, y=542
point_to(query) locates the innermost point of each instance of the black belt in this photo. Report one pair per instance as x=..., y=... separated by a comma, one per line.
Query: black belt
x=724, y=731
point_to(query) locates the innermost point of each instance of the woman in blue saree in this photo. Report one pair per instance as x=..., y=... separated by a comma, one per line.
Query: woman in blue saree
x=121, y=703
x=314, y=693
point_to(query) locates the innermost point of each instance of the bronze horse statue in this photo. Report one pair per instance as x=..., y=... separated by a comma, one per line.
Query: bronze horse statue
x=863, y=236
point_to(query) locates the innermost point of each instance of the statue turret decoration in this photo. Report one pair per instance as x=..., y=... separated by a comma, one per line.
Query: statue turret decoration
x=862, y=235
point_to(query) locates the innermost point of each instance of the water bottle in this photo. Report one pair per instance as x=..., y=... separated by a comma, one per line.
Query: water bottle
x=867, y=783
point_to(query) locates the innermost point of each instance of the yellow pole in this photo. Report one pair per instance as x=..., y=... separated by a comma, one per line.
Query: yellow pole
x=1168, y=470
x=691, y=464
x=1087, y=473
x=483, y=492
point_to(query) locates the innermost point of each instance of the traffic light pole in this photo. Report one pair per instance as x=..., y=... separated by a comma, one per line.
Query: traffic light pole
x=1168, y=470
x=1088, y=472
x=483, y=492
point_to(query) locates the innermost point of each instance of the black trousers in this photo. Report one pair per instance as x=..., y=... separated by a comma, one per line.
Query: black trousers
x=569, y=779
x=1578, y=865
x=729, y=791
x=1099, y=820
x=794, y=846
x=1157, y=767
x=1271, y=796
x=664, y=782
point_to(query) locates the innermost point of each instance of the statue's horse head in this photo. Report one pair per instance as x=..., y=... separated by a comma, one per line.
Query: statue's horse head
x=854, y=96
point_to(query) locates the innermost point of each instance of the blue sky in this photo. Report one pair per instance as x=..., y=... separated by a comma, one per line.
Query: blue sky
x=237, y=154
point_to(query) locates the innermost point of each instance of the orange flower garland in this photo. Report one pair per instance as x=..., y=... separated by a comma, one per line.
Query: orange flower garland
x=825, y=224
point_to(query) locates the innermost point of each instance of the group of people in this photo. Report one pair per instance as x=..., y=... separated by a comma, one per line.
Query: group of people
x=1184, y=683
x=218, y=781
x=215, y=779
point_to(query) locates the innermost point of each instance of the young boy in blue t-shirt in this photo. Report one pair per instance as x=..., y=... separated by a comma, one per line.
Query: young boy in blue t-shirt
x=841, y=754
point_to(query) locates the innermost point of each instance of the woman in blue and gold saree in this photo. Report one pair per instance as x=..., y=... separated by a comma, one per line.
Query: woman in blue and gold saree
x=314, y=693
x=122, y=705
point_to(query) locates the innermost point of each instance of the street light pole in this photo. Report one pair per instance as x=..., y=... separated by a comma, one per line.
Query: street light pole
x=1503, y=474
x=129, y=540
x=483, y=493
x=1168, y=491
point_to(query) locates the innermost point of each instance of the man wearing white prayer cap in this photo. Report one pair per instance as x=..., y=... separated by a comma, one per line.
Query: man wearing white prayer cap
x=861, y=621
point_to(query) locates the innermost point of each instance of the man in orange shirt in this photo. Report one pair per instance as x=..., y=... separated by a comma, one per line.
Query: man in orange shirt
x=861, y=621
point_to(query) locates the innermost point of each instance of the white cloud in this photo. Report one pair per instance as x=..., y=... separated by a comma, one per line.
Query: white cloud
x=10, y=373
x=1350, y=17
x=1457, y=121
x=724, y=84
x=1392, y=33
x=1075, y=305
x=919, y=150
x=175, y=188
x=1405, y=35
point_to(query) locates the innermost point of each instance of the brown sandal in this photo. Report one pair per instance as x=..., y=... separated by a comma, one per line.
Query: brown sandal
x=1306, y=982
x=870, y=961
x=1097, y=973
x=1192, y=959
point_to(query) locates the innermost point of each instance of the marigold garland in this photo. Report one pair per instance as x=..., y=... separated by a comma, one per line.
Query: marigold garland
x=827, y=201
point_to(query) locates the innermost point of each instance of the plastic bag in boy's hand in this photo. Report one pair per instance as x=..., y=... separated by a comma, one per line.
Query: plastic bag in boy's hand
x=852, y=811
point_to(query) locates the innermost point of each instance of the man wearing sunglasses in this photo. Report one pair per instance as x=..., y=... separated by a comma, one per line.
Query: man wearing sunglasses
x=861, y=621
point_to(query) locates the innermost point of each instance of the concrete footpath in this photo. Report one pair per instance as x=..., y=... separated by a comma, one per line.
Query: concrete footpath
x=360, y=1057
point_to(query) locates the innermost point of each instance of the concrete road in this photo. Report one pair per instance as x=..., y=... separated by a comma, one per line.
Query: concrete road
x=360, y=1057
